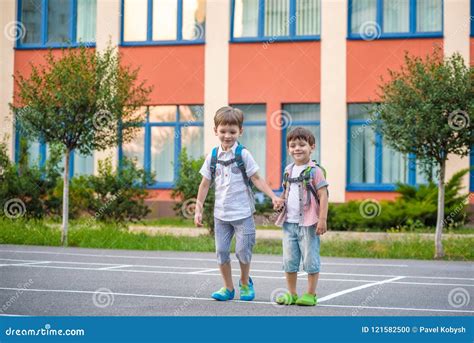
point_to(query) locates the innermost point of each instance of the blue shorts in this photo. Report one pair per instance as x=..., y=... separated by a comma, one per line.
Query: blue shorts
x=300, y=243
x=244, y=230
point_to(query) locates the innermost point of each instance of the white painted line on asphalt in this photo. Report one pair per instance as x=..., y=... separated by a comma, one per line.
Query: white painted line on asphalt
x=194, y=259
x=23, y=264
x=205, y=271
x=116, y=267
x=232, y=301
x=353, y=289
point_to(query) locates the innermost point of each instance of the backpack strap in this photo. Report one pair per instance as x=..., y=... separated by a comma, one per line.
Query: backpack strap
x=240, y=163
x=213, y=163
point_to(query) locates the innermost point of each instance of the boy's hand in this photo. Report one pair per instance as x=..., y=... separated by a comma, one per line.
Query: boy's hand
x=278, y=203
x=198, y=219
x=322, y=227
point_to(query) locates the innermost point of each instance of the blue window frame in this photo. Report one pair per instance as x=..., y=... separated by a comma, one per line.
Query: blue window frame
x=162, y=22
x=38, y=153
x=305, y=115
x=55, y=23
x=166, y=130
x=472, y=18
x=372, y=165
x=375, y=19
x=275, y=20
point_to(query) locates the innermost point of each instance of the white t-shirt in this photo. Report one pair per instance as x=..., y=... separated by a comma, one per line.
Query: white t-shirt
x=232, y=198
x=293, y=203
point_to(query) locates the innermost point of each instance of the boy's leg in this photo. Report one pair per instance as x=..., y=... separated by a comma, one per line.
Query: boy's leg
x=291, y=255
x=223, y=238
x=312, y=282
x=291, y=282
x=245, y=240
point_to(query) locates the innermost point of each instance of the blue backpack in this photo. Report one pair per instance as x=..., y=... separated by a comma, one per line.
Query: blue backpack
x=237, y=159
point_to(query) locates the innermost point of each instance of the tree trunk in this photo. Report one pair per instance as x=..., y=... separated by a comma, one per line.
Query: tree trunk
x=65, y=198
x=439, y=253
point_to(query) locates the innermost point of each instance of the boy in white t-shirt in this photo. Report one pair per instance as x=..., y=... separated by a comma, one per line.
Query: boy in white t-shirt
x=231, y=167
x=303, y=217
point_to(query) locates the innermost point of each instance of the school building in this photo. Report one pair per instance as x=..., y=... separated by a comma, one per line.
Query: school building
x=311, y=63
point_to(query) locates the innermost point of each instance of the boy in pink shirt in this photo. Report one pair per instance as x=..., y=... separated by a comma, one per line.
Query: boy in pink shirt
x=303, y=217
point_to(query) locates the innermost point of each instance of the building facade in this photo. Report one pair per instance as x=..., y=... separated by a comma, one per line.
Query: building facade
x=285, y=63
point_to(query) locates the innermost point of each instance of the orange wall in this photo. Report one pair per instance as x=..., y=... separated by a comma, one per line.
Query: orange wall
x=367, y=61
x=472, y=51
x=274, y=74
x=176, y=72
x=371, y=195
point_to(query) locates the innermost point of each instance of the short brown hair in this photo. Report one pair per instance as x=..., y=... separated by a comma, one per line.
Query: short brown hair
x=300, y=133
x=228, y=115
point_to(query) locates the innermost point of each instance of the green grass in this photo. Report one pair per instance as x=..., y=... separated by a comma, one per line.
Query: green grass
x=107, y=236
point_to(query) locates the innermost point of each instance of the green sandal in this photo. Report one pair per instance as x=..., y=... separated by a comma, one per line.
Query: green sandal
x=287, y=299
x=307, y=299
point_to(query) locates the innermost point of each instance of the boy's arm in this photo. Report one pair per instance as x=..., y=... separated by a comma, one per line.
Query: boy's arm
x=201, y=197
x=265, y=188
x=323, y=211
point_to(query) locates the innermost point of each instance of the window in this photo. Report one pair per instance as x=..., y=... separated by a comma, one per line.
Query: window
x=372, y=19
x=472, y=18
x=159, y=141
x=471, y=172
x=307, y=116
x=273, y=20
x=38, y=154
x=56, y=23
x=254, y=137
x=372, y=164
x=147, y=22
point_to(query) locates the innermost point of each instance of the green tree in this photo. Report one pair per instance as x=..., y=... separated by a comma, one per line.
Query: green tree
x=427, y=109
x=79, y=101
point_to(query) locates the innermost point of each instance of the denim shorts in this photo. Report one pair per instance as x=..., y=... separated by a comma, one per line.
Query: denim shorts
x=300, y=243
x=244, y=230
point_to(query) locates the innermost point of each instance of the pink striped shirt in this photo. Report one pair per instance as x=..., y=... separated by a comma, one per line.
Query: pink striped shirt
x=309, y=215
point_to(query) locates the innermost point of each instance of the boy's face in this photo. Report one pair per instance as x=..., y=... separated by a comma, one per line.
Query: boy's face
x=300, y=150
x=228, y=134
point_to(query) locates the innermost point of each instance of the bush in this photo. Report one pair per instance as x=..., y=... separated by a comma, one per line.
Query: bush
x=24, y=189
x=416, y=207
x=186, y=190
x=118, y=195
